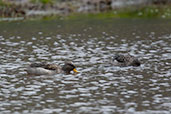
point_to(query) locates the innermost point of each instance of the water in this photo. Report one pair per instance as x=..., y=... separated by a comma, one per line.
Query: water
x=89, y=44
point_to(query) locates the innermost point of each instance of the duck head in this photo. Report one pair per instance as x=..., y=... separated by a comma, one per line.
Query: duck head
x=136, y=62
x=118, y=57
x=68, y=67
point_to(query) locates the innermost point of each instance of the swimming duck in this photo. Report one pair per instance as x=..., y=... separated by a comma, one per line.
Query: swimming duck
x=50, y=69
x=126, y=60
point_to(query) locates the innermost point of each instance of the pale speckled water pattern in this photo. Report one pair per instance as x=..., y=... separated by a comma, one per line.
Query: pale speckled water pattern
x=100, y=87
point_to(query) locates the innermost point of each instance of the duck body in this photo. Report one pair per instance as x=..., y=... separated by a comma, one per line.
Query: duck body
x=49, y=69
x=126, y=60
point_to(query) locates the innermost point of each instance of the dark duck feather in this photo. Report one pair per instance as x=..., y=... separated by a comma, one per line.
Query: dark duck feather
x=126, y=60
x=50, y=69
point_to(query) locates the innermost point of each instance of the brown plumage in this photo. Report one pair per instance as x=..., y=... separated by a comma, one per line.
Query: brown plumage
x=126, y=60
x=50, y=69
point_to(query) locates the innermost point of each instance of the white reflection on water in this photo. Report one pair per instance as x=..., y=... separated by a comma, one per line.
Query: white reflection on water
x=100, y=87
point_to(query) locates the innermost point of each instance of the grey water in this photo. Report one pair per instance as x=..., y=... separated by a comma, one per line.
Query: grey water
x=90, y=44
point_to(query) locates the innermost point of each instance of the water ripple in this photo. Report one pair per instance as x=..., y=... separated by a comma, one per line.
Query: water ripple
x=100, y=87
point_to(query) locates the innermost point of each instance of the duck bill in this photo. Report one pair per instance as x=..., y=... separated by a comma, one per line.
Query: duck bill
x=75, y=70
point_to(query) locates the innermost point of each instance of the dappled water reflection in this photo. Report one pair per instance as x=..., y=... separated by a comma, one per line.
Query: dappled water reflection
x=100, y=87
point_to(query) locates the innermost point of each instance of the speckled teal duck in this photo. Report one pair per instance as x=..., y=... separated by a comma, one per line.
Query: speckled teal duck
x=125, y=60
x=50, y=69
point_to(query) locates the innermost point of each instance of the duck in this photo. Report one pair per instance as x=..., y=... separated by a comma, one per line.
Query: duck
x=50, y=69
x=125, y=60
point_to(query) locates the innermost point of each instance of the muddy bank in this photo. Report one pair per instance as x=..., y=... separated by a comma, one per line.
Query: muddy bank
x=31, y=8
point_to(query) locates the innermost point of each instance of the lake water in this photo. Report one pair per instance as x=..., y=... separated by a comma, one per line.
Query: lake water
x=90, y=44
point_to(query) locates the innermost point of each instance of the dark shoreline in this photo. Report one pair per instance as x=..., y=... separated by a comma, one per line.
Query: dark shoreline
x=10, y=9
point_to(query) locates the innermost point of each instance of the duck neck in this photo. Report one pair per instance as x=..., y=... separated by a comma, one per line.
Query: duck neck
x=65, y=70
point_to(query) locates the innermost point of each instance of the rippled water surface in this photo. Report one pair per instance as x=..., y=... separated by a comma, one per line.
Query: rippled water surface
x=100, y=87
